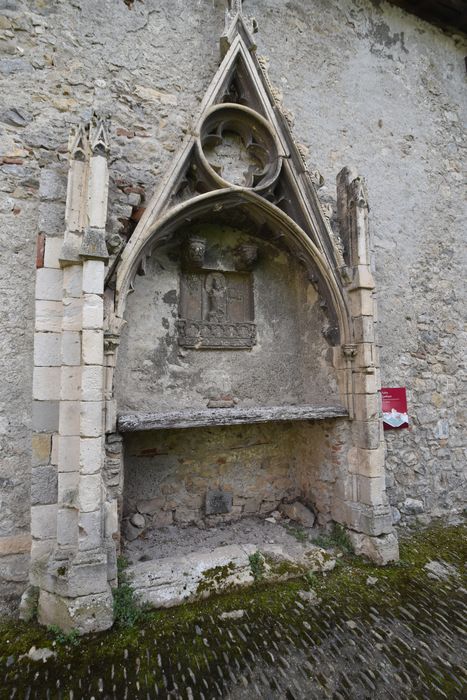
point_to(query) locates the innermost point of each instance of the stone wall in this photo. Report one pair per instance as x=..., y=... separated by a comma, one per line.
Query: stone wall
x=368, y=85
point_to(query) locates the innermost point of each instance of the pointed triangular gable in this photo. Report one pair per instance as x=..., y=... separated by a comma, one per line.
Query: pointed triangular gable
x=241, y=99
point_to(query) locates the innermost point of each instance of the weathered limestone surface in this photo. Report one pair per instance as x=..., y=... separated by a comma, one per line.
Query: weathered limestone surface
x=195, y=576
x=148, y=66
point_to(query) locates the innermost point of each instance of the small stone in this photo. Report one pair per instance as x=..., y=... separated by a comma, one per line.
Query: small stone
x=130, y=532
x=138, y=520
x=41, y=654
x=232, y=615
x=371, y=581
x=271, y=520
x=299, y=513
x=351, y=624
x=440, y=570
x=310, y=597
x=412, y=506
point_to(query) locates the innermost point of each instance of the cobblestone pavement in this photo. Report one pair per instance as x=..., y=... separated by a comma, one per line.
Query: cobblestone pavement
x=360, y=632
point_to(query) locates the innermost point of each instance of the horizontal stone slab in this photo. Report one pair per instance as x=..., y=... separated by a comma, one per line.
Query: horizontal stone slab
x=193, y=418
x=163, y=583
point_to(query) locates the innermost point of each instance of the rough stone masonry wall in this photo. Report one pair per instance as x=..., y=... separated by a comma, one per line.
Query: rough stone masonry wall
x=368, y=84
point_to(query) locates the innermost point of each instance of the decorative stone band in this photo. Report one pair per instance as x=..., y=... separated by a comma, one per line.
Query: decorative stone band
x=208, y=334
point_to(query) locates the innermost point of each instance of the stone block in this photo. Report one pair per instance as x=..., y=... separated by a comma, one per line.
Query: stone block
x=91, y=423
x=365, y=357
x=371, y=520
x=93, y=347
x=70, y=383
x=93, y=276
x=47, y=349
x=299, y=513
x=92, y=383
x=52, y=251
x=366, y=462
x=48, y=316
x=67, y=527
x=41, y=448
x=69, y=421
x=72, y=310
x=364, y=329
x=93, y=246
x=52, y=185
x=45, y=416
x=49, y=284
x=412, y=506
x=46, y=383
x=43, y=485
x=364, y=383
x=68, y=453
x=44, y=522
x=73, y=281
x=361, y=302
x=90, y=492
x=367, y=407
x=218, y=502
x=90, y=613
x=71, y=348
x=90, y=530
x=91, y=455
x=68, y=489
x=110, y=518
x=54, y=450
x=93, y=312
x=14, y=569
x=381, y=550
x=15, y=544
x=371, y=490
x=366, y=434
x=51, y=220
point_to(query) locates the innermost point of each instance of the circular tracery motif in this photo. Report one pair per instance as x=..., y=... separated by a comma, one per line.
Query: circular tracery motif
x=237, y=147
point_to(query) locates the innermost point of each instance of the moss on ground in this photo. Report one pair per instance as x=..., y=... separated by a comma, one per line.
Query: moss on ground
x=181, y=635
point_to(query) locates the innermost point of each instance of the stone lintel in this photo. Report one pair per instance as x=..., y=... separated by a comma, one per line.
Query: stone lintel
x=226, y=416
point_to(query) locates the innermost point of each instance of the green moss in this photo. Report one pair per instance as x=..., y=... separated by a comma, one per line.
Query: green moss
x=182, y=635
x=213, y=578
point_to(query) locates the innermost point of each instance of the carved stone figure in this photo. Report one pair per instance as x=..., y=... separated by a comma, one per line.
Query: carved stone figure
x=217, y=293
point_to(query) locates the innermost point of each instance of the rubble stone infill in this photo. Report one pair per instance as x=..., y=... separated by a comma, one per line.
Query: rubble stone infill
x=359, y=632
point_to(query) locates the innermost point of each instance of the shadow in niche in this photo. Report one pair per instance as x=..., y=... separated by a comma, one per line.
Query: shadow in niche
x=226, y=400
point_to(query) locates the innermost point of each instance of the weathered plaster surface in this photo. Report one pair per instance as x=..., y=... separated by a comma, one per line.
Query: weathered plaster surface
x=368, y=85
x=287, y=365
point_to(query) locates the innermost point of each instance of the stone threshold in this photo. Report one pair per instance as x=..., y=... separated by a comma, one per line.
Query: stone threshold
x=165, y=583
x=194, y=418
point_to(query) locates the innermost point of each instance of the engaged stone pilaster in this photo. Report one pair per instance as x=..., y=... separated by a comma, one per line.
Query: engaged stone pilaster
x=361, y=501
x=74, y=589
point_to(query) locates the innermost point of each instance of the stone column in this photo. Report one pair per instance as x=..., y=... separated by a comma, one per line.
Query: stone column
x=74, y=589
x=361, y=502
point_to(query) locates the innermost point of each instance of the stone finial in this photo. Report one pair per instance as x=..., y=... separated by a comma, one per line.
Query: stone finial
x=79, y=143
x=98, y=136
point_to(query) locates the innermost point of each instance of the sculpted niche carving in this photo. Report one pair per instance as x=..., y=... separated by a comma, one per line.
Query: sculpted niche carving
x=216, y=310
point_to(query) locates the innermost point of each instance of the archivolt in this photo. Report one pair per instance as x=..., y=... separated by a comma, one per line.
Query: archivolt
x=265, y=216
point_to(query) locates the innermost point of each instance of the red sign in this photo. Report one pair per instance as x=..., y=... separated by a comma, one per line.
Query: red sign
x=394, y=403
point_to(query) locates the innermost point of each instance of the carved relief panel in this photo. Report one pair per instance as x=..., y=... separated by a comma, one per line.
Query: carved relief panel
x=216, y=310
